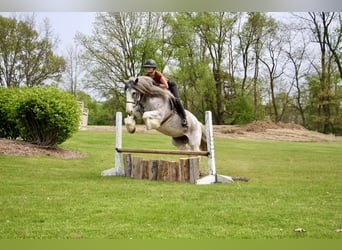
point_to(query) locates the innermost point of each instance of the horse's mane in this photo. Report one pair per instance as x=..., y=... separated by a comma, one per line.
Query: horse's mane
x=146, y=86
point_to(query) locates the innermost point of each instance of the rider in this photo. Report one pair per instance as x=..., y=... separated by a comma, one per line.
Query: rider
x=164, y=82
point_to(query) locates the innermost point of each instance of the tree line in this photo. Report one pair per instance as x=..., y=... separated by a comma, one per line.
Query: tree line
x=241, y=66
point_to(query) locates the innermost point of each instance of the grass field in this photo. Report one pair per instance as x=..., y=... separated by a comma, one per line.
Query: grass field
x=293, y=185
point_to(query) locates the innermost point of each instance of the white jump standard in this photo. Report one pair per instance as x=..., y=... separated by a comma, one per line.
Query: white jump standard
x=212, y=178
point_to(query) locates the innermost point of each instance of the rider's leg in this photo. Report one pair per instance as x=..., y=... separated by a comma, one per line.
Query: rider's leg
x=179, y=106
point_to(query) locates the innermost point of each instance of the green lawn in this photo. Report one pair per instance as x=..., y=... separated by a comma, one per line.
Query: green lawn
x=293, y=185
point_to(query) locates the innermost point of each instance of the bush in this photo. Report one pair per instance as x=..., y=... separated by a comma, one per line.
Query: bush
x=45, y=116
x=8, y=128
x=242, y=111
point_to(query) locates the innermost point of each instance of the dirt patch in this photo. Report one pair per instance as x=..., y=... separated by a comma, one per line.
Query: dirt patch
x=268, y=130
x=16, y=147
x=257, y=130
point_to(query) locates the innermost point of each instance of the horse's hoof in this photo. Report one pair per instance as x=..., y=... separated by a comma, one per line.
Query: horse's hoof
x=132, y=131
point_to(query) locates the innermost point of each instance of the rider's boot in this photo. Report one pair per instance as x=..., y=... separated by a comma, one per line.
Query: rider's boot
x=181, y=112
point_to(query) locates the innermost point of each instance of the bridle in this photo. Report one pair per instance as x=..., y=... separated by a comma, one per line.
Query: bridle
x=139, y=97
x=135, y=101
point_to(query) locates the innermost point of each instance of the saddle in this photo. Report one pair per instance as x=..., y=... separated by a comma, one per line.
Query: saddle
x=173, y=103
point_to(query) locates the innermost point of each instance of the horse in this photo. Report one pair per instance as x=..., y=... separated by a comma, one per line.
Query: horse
x=156, y=106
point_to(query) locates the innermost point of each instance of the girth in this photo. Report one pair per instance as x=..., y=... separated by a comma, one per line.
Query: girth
x=169, y=115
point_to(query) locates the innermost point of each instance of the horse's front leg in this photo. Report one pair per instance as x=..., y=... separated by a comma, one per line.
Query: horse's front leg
x=130, y=124
x=152, y=120
x=134, y=111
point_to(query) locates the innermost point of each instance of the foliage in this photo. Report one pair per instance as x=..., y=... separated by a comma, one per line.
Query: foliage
x=44, y=116
x=320, y=99
x=243, y=112
x=47, y=116
x=26, y=56
x=217, y=57
x=293, y=185
x=100, y=112
x=8, y=128
x=118, y=47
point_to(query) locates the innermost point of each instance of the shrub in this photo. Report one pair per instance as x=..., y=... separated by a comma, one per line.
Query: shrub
x=46, y=116
x=8, y=128
x=242, y=111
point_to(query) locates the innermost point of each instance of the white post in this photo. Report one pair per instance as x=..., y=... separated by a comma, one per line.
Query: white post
x=210, y=142
x=118, y=170
x=213, y=177
x=118, y=139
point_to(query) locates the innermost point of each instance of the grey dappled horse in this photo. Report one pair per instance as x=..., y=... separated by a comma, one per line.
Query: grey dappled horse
x=155, y=106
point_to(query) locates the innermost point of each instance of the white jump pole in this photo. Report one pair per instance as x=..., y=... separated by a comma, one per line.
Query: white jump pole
x=210, y=142
x=118, y=170
x=212, y=177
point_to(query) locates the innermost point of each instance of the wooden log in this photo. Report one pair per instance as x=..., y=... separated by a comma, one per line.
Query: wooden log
x=194, y=169
x=173, y=171
x=153, y=169
x=178, y=172
x=137, y=167
x=184, y=169
x=163, y=171
x=145, y=169
x=127, y=164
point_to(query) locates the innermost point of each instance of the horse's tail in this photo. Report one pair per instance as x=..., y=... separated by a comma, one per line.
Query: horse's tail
x=203, y=145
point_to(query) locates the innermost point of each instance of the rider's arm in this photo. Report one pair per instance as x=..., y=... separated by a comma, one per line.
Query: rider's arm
x=163, y=82
x=161, y=79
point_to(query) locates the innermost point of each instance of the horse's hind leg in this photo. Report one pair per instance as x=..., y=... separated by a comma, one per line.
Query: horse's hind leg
x=195, y=139
x=181, y=142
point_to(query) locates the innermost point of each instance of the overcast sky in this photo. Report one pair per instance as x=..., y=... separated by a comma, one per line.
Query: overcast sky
x=64, y=24
x=67, y=24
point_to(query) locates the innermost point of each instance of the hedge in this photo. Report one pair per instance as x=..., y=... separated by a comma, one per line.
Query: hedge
x=40, y=115
x=8, y=128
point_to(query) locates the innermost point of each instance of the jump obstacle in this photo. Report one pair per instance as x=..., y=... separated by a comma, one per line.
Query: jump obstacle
x=185, y=170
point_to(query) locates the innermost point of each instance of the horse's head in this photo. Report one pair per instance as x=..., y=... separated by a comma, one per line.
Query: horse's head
x=132, y=95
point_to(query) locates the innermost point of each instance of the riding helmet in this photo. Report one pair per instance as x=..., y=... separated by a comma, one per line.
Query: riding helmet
x=150, y=63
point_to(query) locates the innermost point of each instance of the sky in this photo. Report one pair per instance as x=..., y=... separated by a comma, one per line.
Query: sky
x=65, y=25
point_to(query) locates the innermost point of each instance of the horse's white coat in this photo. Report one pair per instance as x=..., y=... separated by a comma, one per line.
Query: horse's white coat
x=150, y=102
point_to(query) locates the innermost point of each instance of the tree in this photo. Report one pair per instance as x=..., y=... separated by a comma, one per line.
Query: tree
x=260, y=25
x=26, y=57
x=73, y=69
x=214, y=29
x=118, y=47
x=333, y=34
x=247, y=38
x=275, y=63
x=225, y=62
x=252, y=38
x=296, y=51
x=320, y=25
x=192, y=73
